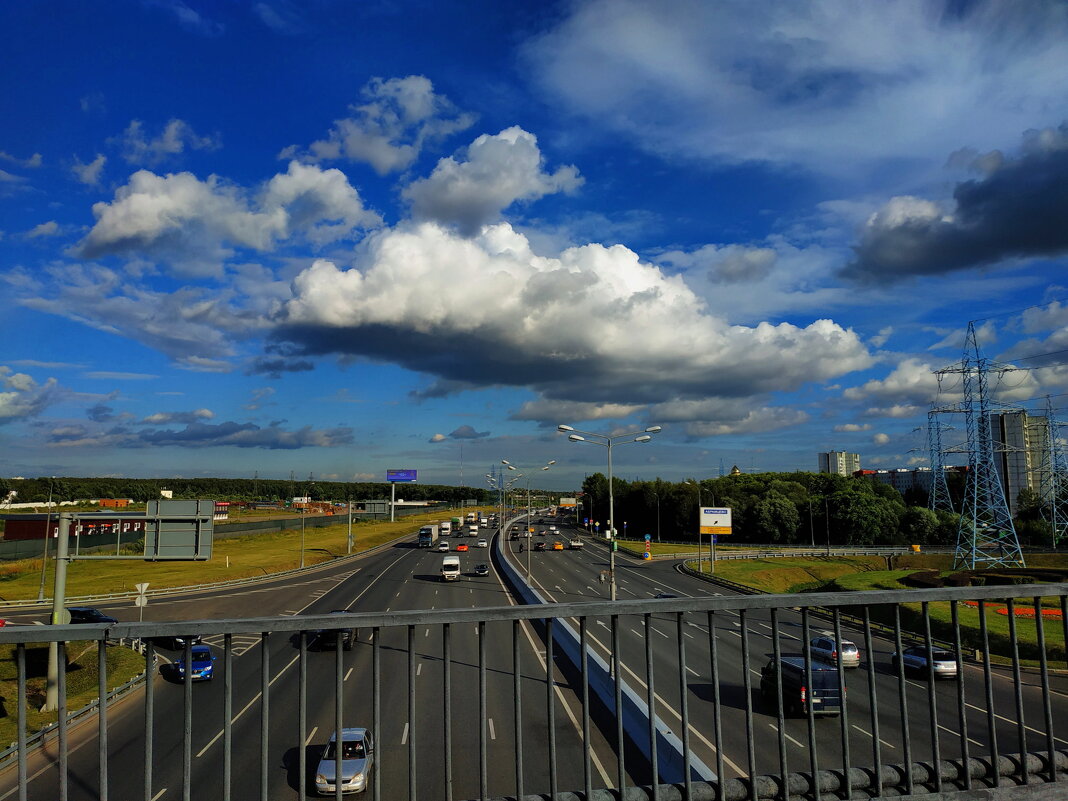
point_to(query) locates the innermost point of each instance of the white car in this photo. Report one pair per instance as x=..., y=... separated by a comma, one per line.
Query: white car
x=443, y=545
x=357, y=758
x=824, y=648
x=481, y=544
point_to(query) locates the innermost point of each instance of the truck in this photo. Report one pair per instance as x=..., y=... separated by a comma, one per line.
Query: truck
x=472, y=530
x=471, y=517
x=450, y=568
x=456, y=523
x=446, y=528
x=575, y=544
x=428, y=536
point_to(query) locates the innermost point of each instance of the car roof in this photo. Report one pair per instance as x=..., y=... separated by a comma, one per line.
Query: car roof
x=796, y=661
x=349, y=734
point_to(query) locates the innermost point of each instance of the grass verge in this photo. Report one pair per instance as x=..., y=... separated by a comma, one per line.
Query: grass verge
x=237, y=558
x=82, y=681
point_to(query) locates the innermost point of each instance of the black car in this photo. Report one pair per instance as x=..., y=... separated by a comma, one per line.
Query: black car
x=178, y=641
x=820, y=690
x=482, y=570
x=87, y=614
x=322, y=639
x=539, y=546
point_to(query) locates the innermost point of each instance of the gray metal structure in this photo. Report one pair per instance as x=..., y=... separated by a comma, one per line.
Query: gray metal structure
x=960, y=757
x=1053, y=478
x=986, y=536
x=939, y=499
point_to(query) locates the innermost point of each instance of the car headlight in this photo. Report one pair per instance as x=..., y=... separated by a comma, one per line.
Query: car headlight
x=357, y=780
x=320, y=779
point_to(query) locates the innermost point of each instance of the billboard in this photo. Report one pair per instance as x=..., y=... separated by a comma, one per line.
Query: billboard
x=400, y=475
x=715, y=520
x=568, y=502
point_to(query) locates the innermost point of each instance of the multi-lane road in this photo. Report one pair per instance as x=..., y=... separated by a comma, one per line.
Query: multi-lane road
x=464, y=739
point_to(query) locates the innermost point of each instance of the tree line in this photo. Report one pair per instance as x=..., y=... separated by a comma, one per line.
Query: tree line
x=31, y=490
x=789, y=509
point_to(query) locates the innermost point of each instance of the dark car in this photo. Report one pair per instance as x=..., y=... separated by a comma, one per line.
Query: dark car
x=322, y=639
x=481, y=570
x=177, y=641
x=665, y=595
x=87, y=614
x=539, y=546
x=820, y=691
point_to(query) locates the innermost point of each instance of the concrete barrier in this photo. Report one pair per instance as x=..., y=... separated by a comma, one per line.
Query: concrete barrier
x=635, y=711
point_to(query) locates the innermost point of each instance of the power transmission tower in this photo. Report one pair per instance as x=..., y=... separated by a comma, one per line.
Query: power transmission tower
x=1053, y=478
x=986, y=536
x=939, y=499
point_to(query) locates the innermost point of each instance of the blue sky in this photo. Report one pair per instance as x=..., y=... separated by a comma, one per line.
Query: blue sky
x=336, y=237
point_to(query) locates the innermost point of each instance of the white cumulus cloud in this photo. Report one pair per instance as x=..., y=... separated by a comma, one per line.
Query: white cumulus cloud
x=498, y=171
x=389, y=129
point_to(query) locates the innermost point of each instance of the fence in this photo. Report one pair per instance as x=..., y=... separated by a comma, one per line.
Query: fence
x=477, y=702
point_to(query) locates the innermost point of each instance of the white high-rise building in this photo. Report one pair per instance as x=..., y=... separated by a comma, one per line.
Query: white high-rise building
x=840, y=462
x=1020, y=442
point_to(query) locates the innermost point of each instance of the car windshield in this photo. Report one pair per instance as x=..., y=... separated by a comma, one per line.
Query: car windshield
x=350, y=749
x=943, y=656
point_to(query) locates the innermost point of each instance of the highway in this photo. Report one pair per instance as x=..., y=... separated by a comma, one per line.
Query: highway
x=396, y=579
x=448, y=762
x=568, y=576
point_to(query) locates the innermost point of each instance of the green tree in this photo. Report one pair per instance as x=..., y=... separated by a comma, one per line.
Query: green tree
x=775, y=518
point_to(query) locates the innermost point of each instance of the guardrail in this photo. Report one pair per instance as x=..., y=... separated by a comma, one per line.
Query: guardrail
x=962, y=737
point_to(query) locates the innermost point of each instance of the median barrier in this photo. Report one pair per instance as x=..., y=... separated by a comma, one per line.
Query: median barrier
x=634, y=710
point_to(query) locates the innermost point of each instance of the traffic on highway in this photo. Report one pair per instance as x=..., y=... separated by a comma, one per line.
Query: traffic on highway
x=441, y=680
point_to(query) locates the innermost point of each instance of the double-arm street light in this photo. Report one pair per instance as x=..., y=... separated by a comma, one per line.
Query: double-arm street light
x=711, y=537
x=511, y=466
x=575, y=435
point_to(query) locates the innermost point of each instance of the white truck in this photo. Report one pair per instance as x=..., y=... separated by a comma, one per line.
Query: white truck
x=450, y=568
x=446, y=528
x=472, y=531
x=575, y=544
x=428, y=536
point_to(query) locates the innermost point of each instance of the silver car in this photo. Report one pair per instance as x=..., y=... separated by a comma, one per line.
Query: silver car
x=943, y=663
x=824, y=648
x=357, y=758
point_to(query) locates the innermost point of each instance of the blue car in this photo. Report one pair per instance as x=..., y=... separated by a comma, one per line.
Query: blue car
x=201, y=662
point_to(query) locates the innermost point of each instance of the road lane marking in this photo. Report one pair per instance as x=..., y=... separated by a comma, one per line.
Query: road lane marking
x=418, y=669
x=881, y=740
x=404, y=734
x=493, y=734
x=159, y=794
x=347, y=674
x=291, y=662
x=311, y=735
x=798, y=743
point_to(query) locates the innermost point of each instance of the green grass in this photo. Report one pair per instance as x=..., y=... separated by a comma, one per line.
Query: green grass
x=859, y=574
x=241, y=557
x=82, y=681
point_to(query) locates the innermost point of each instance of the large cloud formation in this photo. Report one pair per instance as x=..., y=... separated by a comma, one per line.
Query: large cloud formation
x=595, y=324
x=812, y=83
x=1015, y=210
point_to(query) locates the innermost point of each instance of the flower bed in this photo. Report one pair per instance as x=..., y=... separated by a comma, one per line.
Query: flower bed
x=1029, y=611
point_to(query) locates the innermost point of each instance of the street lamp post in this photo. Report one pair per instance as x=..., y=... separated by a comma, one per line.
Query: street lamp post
x=657, y=496
x=575, y=435
x=511, y=466
x=48, y=534
x=700, y=548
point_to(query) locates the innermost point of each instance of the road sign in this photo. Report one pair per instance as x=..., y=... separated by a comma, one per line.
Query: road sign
x=715, y=520
x=140, y=600
x=648, y=537
x=400, y=475
x=647, y=555
x=179, y=530
x=142, y=587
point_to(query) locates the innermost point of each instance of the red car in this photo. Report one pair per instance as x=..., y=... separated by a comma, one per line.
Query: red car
x=462, y=546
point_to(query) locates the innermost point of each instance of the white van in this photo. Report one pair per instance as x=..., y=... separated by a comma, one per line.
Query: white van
x=450, y=568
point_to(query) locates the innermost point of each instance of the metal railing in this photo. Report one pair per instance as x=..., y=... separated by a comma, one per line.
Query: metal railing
x=495, y=702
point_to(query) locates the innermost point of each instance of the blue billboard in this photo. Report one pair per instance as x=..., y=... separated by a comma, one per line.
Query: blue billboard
x=400, y=475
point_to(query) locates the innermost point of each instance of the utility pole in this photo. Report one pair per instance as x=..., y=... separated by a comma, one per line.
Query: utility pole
x=60, y=616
